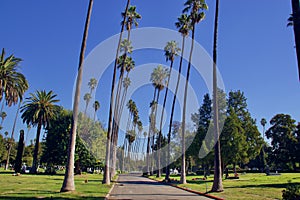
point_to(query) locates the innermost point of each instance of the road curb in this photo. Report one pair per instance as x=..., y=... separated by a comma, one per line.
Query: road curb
x=112, y=187
x=189, y=190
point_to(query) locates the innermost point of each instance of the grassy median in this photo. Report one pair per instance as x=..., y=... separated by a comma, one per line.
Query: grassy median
x=248, y=186
x=88, y=186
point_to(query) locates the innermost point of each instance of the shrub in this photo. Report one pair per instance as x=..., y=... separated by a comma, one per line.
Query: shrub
x=292, y=192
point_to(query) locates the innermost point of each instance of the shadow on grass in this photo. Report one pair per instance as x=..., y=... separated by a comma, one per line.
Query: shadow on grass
x=271, y=185
x=38, y=174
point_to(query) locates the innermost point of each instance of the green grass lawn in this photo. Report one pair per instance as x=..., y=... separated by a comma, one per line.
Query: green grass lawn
x=44, y=186
x=248, y=186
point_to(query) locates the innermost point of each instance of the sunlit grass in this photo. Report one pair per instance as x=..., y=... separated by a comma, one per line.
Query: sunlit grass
x=88, y=186
x=248, y=186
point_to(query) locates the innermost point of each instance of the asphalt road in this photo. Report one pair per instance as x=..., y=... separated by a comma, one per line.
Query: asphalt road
x=134, y=186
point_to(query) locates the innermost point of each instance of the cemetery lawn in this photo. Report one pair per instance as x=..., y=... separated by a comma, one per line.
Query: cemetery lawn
x=248, y=186
x=88, y=186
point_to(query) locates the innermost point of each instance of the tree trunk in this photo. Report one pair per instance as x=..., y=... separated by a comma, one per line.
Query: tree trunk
x=68, y=184
x=18, y=163
x=161, y=120
x=172, y=111
x=149, y=135
x=106, y=175
x=217, y=184
x=36, y=149
x=12, y=137
x=296, y=14
x=153, y=137
x=183, y=172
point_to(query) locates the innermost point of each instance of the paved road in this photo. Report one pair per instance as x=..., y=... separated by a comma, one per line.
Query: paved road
x=134, y=186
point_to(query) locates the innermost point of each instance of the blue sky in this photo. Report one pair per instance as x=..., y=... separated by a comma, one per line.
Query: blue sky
x=256, y=49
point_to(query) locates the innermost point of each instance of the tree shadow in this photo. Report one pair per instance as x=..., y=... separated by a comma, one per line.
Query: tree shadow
x=270, y=185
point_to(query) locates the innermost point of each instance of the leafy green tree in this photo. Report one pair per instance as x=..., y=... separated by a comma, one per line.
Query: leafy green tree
x=238, y=102
x=68, y=184
x=56, y=142
x=283, y=135
x=38, y=110
x=202, y=119
x=195, y=7
x=233, y=141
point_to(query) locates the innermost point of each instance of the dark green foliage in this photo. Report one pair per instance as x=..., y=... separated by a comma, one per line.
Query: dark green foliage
x=233, y=140
x=284, y=141
x=21, y=144
x=56, y=143
x=2, y=147
x=292, y=192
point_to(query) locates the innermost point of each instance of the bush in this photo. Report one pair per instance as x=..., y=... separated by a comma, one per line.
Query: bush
x=292, y=192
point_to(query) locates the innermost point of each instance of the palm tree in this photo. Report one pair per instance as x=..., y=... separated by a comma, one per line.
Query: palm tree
x=106, y=175
x=87, y=97
x=68, y=184
x=125, y=63
x=217, y=184
x=159, y=80
x=96, y=107
x=3, y=116
x=126, y=84
x=263, y=122
x=195, y=7
x=295, y=21
x=184, y=25
x=131, y=109
x=92, y=84
x=13, y=84
x=130, y=136
x=171, y=50
x=38, y=110
x=131, y=18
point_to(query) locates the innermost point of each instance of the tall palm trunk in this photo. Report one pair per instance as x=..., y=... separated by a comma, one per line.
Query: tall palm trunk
x=161, y=120
x=217, y=184
x=149, y=135
x=36, y=149
x=12, y=137
x=106, y=175
x=117, y=116
x=127, y=128
x=154, y=126
x=296, y=14
x=183, y=170
x=172, y=110
x=68, y=184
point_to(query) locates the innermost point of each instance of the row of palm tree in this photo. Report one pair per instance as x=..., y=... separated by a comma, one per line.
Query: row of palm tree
x=40, y=107
x=192, y=15
x=13, y=85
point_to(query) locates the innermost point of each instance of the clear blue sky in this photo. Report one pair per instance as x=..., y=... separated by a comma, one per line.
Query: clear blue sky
x=256, y=49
